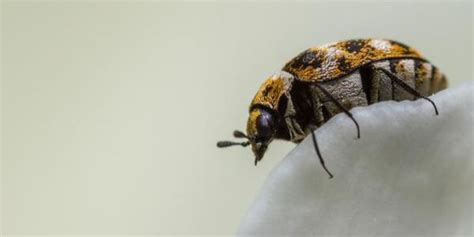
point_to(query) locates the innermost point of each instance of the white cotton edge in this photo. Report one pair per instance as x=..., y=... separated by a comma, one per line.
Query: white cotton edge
x=411, y=173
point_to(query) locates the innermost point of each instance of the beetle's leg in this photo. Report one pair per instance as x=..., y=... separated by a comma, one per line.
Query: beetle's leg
x=321, y=160
x=340, y=106
x=312, y=129
x=407, y=88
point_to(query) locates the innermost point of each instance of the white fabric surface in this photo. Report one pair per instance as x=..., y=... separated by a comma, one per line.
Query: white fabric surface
x=410, y=174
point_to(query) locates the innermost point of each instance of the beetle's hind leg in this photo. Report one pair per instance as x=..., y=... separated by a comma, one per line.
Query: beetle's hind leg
x=406, y=87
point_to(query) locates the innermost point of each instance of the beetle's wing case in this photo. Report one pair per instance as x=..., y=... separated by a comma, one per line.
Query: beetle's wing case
x=339, y=59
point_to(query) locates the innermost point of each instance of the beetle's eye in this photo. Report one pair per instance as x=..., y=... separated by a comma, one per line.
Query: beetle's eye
x=265, y=124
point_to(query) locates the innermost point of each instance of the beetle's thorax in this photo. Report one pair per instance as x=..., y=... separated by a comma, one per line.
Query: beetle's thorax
x=270, y=92
x=268, y=96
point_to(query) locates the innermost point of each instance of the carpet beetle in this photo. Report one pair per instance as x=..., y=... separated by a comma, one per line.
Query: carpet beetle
x=331, y=79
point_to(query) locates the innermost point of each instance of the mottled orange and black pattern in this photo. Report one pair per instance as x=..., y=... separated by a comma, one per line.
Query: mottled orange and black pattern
x=270, y=92
x=327, y=80
x=252, y=122
x=339, y=59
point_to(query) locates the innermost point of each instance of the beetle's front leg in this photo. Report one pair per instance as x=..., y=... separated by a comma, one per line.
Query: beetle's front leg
x=318, y=153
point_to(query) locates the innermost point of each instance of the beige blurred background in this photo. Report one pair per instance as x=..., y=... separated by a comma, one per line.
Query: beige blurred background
x=111, y=111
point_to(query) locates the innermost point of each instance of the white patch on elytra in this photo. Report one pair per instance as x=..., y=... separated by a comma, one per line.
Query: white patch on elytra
x=281, y=75
x=325, y=46
x=380, y=44
x=330, y=62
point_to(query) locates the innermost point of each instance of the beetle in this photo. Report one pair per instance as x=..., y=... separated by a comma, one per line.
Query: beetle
x=327, y=80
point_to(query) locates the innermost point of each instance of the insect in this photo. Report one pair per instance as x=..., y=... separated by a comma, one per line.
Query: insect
x=324, y=81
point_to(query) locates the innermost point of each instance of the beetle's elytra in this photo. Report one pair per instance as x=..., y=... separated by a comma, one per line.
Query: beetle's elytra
x=324, y=81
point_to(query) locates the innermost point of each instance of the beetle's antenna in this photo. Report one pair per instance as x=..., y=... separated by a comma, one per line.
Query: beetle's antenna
x=223, y=144
x=239, y=134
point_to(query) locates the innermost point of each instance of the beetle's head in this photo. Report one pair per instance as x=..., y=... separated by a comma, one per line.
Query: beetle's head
x=262, y=122
x=260, y=132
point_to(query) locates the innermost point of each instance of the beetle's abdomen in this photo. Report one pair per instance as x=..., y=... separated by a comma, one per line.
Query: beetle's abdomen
x=369, y=85
x=349, y=91
x=421, y=75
